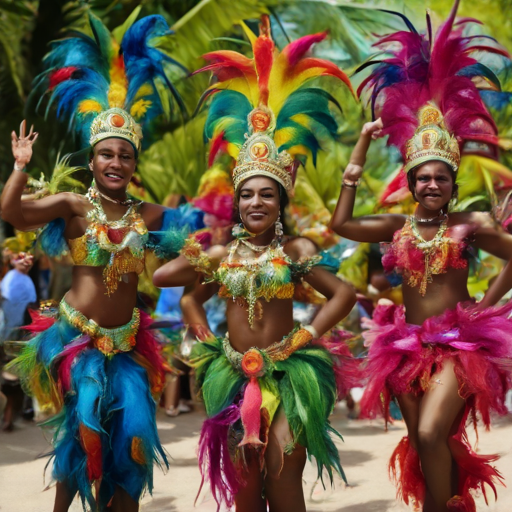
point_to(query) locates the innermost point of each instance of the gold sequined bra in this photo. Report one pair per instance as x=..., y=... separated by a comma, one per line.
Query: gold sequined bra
x=119, y=246
x=272, y=275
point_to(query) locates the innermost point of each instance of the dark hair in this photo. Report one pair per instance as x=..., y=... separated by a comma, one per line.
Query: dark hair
x=411, y=181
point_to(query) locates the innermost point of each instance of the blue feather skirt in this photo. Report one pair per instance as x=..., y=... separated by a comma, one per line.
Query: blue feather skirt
x=105, y=433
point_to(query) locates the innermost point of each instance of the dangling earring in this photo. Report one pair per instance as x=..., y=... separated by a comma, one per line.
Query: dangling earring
x=278, y=227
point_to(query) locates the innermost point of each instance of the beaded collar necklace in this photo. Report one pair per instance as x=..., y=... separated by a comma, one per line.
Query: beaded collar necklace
x=98, y=214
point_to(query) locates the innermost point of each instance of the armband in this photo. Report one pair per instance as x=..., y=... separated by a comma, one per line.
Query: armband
x=350, y=183
x=193, y=252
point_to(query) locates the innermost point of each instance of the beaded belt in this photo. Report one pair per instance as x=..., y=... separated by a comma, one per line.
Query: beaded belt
x=255, y=362
x=107, y=341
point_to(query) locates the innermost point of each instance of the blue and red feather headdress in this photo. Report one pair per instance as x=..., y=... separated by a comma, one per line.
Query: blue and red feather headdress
x=86, y=76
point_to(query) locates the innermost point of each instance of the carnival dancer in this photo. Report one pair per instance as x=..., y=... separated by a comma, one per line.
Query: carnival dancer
x=268, y=387
x=93, y=359
x=442, y=356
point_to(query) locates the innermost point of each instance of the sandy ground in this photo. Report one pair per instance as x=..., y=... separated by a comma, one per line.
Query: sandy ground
x=364, y=456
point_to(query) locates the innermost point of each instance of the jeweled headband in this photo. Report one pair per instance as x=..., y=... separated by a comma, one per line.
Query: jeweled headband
x=115, y=122
x=431, y=141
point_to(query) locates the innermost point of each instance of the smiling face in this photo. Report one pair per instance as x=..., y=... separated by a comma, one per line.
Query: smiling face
x=113, y=164
x=433, y=185
x=259, y=204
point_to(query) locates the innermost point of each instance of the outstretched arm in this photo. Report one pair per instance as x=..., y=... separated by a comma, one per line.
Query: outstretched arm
x=26, y=215
x=374, y=228
x=182, y=271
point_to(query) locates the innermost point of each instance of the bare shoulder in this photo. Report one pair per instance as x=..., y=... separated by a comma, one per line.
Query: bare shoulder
x=152, y=215
x=477, y=219
x=69, y=204
x=300, y=247
x=217, y=251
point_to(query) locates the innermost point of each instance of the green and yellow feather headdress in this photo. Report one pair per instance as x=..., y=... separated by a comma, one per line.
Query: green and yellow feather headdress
x=260, y=113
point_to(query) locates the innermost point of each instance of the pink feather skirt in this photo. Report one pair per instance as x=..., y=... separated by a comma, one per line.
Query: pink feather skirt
x=403, y=357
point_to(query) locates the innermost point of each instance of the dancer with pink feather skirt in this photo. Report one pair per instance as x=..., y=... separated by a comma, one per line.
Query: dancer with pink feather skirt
x=443, y=357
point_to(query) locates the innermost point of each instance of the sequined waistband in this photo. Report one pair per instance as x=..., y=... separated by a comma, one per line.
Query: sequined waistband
x=255, y=362
x=108, y=341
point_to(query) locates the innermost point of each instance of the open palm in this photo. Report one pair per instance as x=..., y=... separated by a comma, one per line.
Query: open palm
x=22, y=145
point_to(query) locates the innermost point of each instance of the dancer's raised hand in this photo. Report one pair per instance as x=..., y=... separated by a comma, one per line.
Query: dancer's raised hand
x=374, y=128
x=22, y=145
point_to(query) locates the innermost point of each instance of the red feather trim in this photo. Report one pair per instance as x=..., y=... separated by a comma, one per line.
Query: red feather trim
x=217, y=145
x=263, y=59
x=60, y=75
x=39, y=322
x=297, y=49
x=91, y=443
x=329, y=69
x=396, y=190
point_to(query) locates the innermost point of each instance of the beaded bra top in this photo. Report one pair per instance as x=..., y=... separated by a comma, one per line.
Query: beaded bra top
x=272, y=275
x=119, y=246
x=418, y=260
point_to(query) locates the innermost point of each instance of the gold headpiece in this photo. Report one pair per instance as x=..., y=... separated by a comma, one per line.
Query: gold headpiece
x=115, y=122
x=259, y=156
x=431, y=141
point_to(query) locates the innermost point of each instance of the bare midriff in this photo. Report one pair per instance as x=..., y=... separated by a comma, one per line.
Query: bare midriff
x=276, y=322
x=88, y=295
x=443, y=293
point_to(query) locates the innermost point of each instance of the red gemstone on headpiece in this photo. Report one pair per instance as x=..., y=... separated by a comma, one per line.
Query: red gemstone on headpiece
x=117, y=121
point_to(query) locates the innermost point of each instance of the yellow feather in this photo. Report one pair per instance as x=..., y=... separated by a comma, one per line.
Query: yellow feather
x=118, y=83
x=145, y=90
x=233, y=150
x=302, y=119
x=283, y=136
x=299, y=150
x=139, y=108
x=249, y=33
x=89, y=106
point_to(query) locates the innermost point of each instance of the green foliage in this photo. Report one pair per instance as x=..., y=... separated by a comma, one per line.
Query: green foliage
x=175, y=164
x=176, y=161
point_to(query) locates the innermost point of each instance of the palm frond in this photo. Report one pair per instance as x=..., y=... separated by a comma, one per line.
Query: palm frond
x=208, y=20
x=60, y=181
x=174, y=164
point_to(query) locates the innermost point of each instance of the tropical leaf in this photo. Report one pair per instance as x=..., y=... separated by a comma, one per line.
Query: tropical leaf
x=174, y=164
x=352, y=27
x=61, y=180
x=208, y=20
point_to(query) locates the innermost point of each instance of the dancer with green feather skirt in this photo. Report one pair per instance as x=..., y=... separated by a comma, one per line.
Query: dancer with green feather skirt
x=268, y=386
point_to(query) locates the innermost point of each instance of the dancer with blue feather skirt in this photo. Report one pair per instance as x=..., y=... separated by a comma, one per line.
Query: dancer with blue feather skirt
x=93, y=360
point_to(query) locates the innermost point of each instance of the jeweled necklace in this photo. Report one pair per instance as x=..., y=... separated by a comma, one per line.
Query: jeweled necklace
x=441, y=214
x=264, y=254
x=123, y=202
x=429, y=248
x=98, y=214
x=256, y=248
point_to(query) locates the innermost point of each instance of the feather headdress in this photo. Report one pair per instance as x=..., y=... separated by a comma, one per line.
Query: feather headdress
x=426, y=92
x=260, y=113
x=105, y=87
